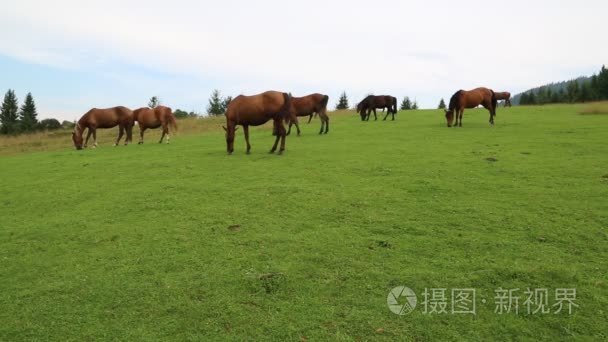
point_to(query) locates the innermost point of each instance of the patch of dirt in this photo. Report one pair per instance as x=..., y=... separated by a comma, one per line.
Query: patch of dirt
x=492, y=159
x=234, y=227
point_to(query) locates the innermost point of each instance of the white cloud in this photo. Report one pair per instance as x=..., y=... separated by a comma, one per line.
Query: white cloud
x=427, y=48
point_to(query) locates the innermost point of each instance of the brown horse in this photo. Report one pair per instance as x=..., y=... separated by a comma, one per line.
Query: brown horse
x=470, y=99
x=257, y=110
x=309, y=105
x=371, y=103
x=504, y=95
x=103, y=118
x=153, y=118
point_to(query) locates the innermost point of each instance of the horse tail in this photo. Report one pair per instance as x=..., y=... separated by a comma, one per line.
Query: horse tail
x=494, y=101
x=324, y=102
x=286, y=110
x=172, y=121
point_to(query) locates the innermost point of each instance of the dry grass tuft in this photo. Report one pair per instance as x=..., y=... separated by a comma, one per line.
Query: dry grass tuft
x=595, y=108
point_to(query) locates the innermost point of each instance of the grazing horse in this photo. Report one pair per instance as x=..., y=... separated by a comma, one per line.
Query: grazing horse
x=309, y=105
x=103, y=118
x=504, y=95
x=257, y=110
x=371, y=103
x=154, y=118
x=470, y=99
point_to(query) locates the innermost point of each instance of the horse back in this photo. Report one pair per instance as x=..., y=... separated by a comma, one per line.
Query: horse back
x=256, y=109
x=107, y=117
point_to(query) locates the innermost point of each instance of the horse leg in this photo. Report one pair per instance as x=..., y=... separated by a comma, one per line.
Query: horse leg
x=461, y=113
x=165, y=132
x=310, y=117
x=326, y=118
x=289, y=130
x=283, y=136
x=375, y=116
x=86, y=142
x=121, y=132
x=276, y=132
x=94, y=137
x=129, y=138
x=386, y=116
x=141, y=134
x=246, y=131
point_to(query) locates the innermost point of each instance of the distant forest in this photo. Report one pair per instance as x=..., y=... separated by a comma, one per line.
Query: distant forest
x=582, y=89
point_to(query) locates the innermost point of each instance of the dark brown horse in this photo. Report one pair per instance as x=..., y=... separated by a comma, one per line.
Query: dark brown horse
x=470, y=99
x=257, y=110
x=309, y=105
x=154, y=118
x=103, y=118
x=504, y=95
x=371, y=103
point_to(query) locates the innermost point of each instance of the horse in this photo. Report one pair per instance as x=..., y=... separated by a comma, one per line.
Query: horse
x=371, y=103
x=504, y=95
x=309, y=105
x=257, y=110
x=103, y=118
x=470, y=99
x=154, y=118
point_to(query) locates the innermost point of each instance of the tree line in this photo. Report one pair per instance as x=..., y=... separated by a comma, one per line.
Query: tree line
x=586, y=89
x=24, y=119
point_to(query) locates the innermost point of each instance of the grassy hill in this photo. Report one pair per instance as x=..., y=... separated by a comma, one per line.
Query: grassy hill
x=181, y=241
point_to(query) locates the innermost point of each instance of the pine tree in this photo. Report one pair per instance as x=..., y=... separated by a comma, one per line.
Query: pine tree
x=28, y=114
x=531, y=98
x=415, y=105
x=585, y=93
x=441, y=104
x=406, y=104
x=225, y=102
x=8, y=113
x=215, y=106
x=342, y=102
x=602, y=80
x=154, y=102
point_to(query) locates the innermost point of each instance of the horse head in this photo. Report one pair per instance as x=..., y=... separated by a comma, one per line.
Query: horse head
x=230, y=131
x=77, y=136
x=449, y=116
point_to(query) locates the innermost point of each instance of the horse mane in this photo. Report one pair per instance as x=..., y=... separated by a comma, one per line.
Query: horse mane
x=455, y=101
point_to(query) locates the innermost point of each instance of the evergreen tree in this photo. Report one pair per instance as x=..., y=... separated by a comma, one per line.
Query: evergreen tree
x=342, y=102
x=28, y=114
x=531, y=98
x=572, y=89
x=8, y=113
x=441, y=104
x=225, y=102
x=524, y=99
x=585, y=92
x=216, y=105
x=415, y=105
x=602, y=80
x=154, y=102
x=406, y=104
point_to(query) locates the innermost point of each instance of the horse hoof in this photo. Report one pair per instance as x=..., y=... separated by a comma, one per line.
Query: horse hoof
x=271, y=152
x=280, y=152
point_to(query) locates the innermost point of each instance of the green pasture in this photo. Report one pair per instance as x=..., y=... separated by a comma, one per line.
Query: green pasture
x=183, y=242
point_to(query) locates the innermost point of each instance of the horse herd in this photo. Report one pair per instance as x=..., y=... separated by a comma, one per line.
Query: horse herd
x=277, y=106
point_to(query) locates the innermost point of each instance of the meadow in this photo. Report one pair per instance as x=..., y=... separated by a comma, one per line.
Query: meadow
x=183, y=242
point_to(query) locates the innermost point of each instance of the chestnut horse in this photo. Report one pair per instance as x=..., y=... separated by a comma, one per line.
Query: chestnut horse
x=103, y=118
x=371, y=103
x=470, y=99
x=309, y=105
x=257, y=110
x=504, y=95
x=153, y=118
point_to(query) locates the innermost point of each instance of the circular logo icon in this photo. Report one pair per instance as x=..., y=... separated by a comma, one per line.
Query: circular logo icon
x=401, y=300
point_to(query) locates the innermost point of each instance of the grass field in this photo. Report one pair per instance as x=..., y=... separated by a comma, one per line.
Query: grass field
x=181, y=241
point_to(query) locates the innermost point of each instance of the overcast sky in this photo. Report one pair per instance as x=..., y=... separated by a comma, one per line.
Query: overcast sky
x=75, y=55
